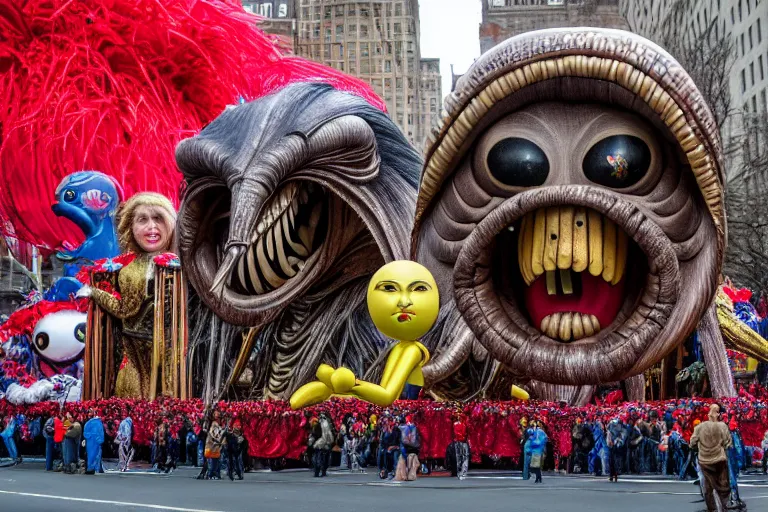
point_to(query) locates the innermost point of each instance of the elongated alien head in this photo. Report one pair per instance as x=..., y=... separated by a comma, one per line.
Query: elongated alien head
x=571, y=204
x=304, y=185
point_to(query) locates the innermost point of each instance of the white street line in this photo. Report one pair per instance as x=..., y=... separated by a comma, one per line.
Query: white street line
x=107, y=502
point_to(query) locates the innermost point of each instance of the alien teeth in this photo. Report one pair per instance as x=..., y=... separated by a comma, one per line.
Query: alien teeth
x=569, y=326
x=570, y=240
x=285, y=236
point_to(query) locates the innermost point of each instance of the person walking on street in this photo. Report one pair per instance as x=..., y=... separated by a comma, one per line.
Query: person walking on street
x=764, y=446
x=712, y=439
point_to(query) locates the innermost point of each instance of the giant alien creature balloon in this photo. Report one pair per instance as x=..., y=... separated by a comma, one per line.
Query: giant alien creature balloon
x=293, y=202
x=571, y=206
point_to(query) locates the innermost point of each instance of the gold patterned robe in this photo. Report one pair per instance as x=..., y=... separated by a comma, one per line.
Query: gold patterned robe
x=135, y=308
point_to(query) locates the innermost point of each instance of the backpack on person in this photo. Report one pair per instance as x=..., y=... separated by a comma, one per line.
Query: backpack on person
x=410, y=437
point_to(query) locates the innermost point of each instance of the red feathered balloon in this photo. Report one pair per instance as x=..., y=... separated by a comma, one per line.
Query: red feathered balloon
x=114, y=85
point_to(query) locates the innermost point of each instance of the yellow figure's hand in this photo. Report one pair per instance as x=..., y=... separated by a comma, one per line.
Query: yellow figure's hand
x=342, y=381
x=519, y=393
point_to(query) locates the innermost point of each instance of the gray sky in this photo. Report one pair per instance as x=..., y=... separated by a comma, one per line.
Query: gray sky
x=449, y=31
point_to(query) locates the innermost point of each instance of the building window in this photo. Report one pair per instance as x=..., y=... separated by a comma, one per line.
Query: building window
x=750, y=38
x=316, y=31
x=352, y=30
x=751, y=74
x=365, y=67
x=327, y=53
x=317, y=11
x=743, y=53
x=743, y=80
x=754, y=104
x=398, y=29
x=339, y=31
x=764, y=101
x=387, y=66
x=352, y=68
x=398, y=9
x=339, y=10
x=352, y=52
x=733, y=18
x=739, y=11
x=363, y=30
x=759, y=32
x=364, y=49
x=351, y=10
x=327, y=11
x=327, y=35
x=762, y=71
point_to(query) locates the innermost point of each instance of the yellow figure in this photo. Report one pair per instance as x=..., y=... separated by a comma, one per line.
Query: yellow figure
x=403, y=302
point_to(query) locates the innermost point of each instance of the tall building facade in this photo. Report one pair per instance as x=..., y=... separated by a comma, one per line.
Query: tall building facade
x=503, y=19
x=745, y=22
x=377, y=41
x=430, y=96
x=278, y=20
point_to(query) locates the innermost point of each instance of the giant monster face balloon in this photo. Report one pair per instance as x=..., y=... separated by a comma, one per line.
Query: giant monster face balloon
x=293, y=202
x=571, y=204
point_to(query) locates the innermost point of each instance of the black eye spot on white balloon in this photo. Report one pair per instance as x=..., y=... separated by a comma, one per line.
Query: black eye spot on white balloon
x=518, y=162
x=618, y=161
x=80, y=332
x=42, y=340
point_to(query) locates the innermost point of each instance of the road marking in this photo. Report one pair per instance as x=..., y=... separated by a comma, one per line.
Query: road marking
x=108, y=502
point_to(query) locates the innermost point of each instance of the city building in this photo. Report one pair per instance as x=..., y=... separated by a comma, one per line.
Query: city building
x=430, y=96
x=745, y=22
x=503, y=19
x=377, y=41
x=278, y=20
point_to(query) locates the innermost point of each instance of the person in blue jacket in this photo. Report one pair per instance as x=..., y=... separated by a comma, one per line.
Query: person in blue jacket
x=93, y=432
x=599, y=452
x=538, y=450
x=7, y=436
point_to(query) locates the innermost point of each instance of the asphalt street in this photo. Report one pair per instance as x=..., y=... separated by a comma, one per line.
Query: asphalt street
x=29, y=488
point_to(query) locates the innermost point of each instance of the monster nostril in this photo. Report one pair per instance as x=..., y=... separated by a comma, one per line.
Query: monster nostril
x=579, y=223
x=553, y=236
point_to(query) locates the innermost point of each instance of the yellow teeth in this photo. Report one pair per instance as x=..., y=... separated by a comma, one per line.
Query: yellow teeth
x=569, y=326
x=570, y=239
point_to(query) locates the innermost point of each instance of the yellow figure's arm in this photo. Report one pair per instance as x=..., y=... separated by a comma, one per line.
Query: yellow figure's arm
x=310, y=394
x=403, y=359
x=392, y=359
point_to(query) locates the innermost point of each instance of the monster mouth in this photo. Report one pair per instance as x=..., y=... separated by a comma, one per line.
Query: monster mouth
x=490, y=287
x=573, y=264
x=291, y=227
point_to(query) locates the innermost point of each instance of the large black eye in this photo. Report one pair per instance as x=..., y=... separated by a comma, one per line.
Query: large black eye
x=618, y=161
x=518, y=163
x=80, y=332
x=69, y=195
x=42, y=341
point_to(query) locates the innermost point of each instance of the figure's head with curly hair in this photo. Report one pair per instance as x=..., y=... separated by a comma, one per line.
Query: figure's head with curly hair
x=147, y=223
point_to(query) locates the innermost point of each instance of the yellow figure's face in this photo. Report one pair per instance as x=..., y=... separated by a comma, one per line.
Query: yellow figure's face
x=403, y=300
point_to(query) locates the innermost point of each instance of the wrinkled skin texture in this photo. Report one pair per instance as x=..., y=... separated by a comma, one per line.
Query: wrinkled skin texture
x=293, y=201
x=471, y=225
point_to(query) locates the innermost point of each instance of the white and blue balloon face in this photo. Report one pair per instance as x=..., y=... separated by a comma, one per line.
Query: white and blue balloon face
x=59, y=340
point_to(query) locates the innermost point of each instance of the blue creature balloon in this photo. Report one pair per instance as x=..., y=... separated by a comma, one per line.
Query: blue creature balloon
x=90, y=200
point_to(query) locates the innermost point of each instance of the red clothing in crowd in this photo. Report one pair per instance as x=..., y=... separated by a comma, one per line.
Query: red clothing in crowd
x=58, y=430
x=460, y=432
